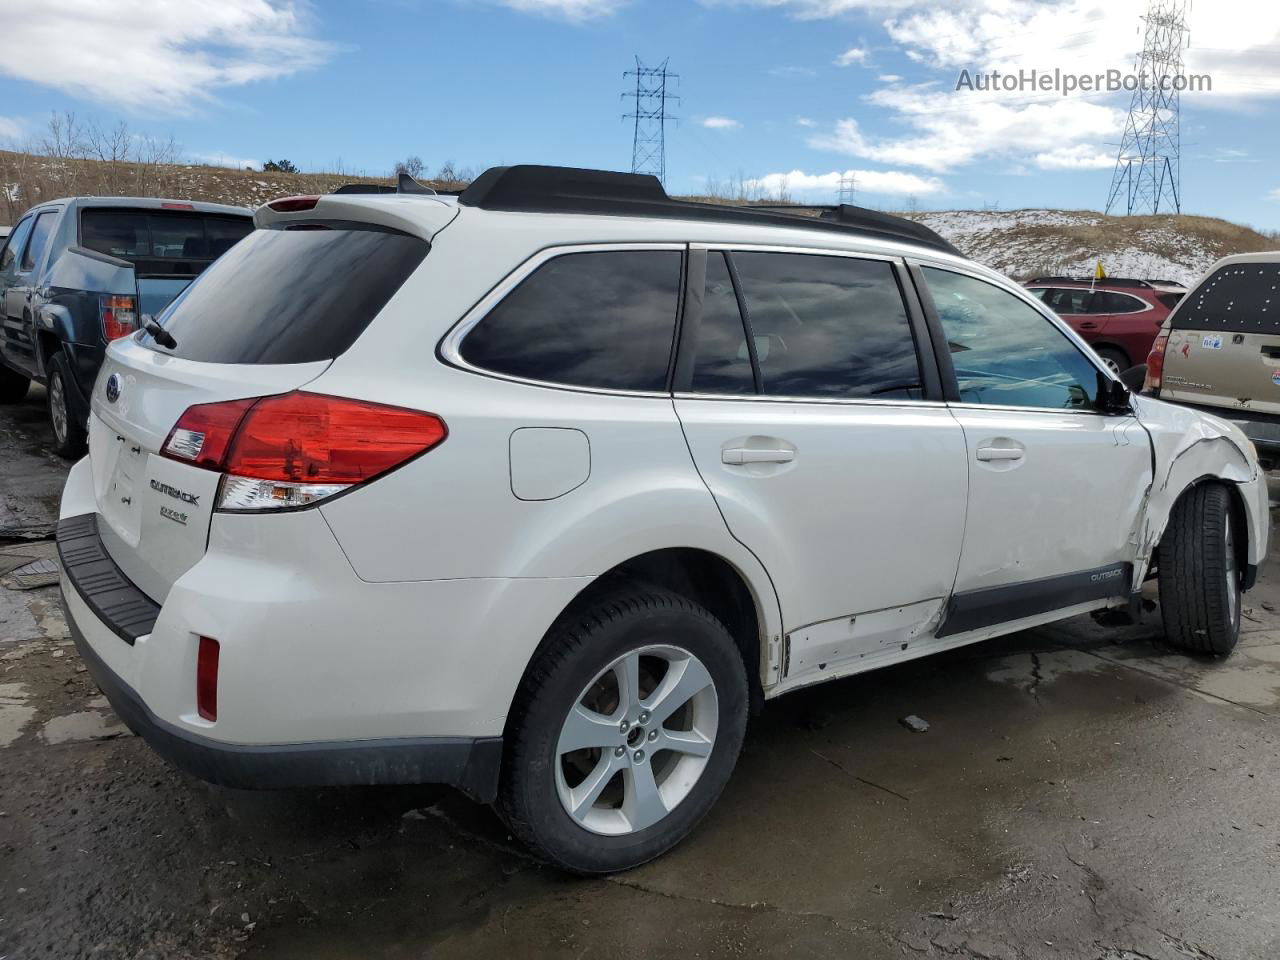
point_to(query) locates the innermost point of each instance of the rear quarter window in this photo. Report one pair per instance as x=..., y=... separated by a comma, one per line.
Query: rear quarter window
x=1239, y=298
x=290, y=296
x=603, y=319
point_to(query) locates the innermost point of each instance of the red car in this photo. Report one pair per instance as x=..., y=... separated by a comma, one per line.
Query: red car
x=1118, y=317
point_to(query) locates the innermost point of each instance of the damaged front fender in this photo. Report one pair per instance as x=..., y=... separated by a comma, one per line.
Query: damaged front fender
x=1189, y=447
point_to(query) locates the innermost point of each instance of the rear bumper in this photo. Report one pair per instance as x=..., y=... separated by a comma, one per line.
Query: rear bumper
x=472, y=765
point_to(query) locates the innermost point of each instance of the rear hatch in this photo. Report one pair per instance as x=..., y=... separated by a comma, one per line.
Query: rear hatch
x=1224, y=344
x=265, y=319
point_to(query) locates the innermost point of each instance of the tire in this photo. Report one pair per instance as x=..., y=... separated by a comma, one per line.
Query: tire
x=648, y=632
x=1113, y=358
x=13, y=385
x=1200, y=573
x=68, y=434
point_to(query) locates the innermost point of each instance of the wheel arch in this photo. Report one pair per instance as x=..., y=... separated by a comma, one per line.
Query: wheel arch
x=708, y=579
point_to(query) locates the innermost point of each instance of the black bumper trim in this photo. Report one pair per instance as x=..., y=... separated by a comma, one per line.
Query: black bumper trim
x=102, y=585
x=470, y=764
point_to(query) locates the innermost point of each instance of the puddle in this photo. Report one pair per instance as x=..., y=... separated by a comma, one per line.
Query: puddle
x=15, y=711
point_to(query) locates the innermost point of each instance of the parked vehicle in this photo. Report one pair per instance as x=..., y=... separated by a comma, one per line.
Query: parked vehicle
x=1219, y=351
x=4, y=232
x=538, y=490
x=77, y=273
x=1118, y=317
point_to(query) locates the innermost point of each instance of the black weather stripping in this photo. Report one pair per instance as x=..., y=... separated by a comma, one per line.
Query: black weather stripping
x=527, y=188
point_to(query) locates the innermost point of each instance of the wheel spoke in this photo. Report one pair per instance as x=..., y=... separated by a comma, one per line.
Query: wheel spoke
x=585, y=794
x=642, y=803
x=682, y=741
x=685, y=678
x=628, y=673
x=585, y=728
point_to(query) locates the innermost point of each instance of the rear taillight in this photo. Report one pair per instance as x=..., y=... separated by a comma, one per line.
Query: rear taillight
x=119, y=316
x=1155, y=362
x=293, y=204
x=297, y=449
x=207, y=679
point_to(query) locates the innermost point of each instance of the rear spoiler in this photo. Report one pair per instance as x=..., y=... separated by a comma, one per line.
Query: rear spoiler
x=404, y=184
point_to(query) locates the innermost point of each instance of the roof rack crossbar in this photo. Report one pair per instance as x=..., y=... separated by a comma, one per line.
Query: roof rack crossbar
x=528, y=188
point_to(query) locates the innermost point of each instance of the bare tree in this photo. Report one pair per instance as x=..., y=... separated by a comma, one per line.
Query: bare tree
x=112, y=148
x=412, y=165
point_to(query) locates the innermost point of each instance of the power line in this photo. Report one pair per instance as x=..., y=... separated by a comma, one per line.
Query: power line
x=1148, y=164
x=649, y=111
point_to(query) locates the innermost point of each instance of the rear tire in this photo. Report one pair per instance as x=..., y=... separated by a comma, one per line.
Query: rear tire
x=1199, y=572
x=1115, y=360
x=13, y=385
x=68, y=435
x=663, y=754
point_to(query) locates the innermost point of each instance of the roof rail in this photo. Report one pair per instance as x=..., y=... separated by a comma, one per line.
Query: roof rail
x=1112, y=281
x=527, y=188
x=405, y=184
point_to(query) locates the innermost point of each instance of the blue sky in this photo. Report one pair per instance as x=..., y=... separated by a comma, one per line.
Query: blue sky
x=792, y=94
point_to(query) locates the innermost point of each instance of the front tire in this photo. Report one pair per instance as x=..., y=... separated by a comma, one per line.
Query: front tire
x=1200, y=573
x=13, y=385
x=624, y=731
x=68, y=435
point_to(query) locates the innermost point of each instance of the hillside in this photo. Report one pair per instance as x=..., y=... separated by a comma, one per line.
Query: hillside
x=1020, y=243
x=1027, y=243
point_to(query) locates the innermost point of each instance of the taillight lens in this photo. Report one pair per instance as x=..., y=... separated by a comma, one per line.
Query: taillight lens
x=1155, y=362
x=119, y=316
x=298, y=448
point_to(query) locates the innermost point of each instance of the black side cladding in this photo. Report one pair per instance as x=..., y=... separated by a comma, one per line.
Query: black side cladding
x=528, y=188
x=975, y=609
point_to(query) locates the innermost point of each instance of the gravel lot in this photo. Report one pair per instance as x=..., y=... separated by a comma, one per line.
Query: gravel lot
x=1080, y=793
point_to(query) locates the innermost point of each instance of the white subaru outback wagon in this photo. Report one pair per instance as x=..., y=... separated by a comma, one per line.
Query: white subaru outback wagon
x=537, y=491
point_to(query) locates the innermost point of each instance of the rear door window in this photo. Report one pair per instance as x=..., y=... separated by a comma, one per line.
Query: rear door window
x=40, y=234
x=828, y=326
x=603, y=319
x=1239, y=298
x=290, y=296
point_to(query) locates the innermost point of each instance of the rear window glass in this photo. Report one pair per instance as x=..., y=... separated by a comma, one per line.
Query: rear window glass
x=142, y=235
x=603, y=319
x=1240, y=298
x=290, y=296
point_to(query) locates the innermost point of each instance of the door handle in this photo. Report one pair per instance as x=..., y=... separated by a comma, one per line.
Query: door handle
x=1088, y=325
x=738, y=455
x=999, y=453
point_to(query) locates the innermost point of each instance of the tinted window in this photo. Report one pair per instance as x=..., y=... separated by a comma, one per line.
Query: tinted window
x=1105, y=301
x=601, y=319
x=290, y=296
x=828, y=326
x=721, y=361
x=39, y=240
x=1004, y=351
x=1066, y=301
x=135, y=234
x=14, y=246
x=1241, y=298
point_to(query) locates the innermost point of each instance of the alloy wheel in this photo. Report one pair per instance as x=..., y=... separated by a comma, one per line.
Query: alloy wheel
x=636, y=740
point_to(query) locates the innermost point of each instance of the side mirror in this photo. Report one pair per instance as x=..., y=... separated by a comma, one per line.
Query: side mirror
x=1135, y=377
x=1113, y=396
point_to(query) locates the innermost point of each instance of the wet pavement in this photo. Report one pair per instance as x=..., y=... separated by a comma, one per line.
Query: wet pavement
x=1080, y=792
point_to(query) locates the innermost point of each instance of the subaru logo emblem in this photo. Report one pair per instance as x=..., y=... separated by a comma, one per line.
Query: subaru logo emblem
x=113, y=388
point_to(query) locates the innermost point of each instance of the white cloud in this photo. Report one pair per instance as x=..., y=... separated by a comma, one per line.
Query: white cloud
x=881, y=182
x=1080, y=156
x=890, y=78
x=721, y=123
x=851, y=56
x=806, y=122
x=792, y=72
x=10, y=129
x=817, y=9
x=1274, y=194
x=576, y=11
x=219, y=158
x=155, y=54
